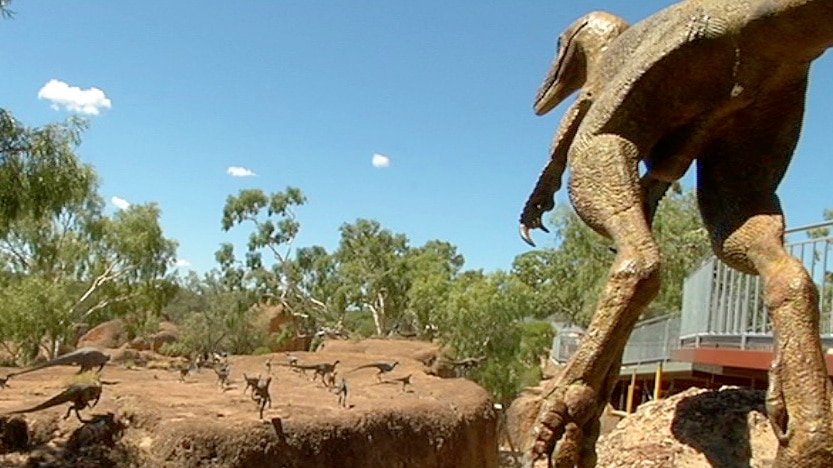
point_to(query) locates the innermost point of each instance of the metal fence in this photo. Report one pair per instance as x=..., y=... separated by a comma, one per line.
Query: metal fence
x=652, y=341
x=724, y=307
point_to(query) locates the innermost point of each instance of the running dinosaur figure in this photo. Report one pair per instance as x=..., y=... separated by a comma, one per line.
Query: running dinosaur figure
x=86, y=358
x=382, y=368
x=81, y=395
x=721, y=83
x=323, y=369
x=260, y=394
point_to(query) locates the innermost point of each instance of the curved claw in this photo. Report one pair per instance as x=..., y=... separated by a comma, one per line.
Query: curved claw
x=526, y=232
x=526, y=236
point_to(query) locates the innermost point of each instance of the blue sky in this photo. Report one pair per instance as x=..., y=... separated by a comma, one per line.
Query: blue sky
x=304, y=93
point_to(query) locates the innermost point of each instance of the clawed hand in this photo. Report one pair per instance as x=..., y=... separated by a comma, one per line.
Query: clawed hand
x=536, y=206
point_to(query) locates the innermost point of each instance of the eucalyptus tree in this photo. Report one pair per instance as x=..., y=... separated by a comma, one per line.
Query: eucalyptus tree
x=271, y=264
x=39, y=171
x=373, y=268
x=81, y=266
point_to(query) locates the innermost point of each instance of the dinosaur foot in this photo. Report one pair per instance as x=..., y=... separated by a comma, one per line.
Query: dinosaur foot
x=568, y=427
x=803, y=429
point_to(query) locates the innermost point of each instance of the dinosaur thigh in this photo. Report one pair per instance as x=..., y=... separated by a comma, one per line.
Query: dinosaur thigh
x=739, y=172
x=738, y=217
x=604, y=178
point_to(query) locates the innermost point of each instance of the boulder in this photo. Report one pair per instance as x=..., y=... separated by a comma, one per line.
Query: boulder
x=110, y=334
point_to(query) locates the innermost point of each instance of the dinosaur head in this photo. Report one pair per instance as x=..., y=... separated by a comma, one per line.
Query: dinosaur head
x=579, y=48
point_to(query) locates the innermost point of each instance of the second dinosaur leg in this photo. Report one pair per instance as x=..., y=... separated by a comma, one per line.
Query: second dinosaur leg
x=749, y=236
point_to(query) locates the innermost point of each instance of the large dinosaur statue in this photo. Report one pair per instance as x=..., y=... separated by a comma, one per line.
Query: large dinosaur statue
x=721, y=83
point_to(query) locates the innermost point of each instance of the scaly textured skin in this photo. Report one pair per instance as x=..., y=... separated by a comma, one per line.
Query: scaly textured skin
x=81, y=395
x=721, y=83
x=87, y=358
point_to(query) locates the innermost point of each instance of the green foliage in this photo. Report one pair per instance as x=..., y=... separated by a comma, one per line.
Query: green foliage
x=62, y=260
x=261, y=350
x=39, y=172
x=176, y=348
x=360, y=324
x=373, y=269
x=683, y=243
x=431, y=270
x=568, y=279
x=818, y=233
x=277, y=279
x=484, y=316
x=214, y=317
x=536, y=341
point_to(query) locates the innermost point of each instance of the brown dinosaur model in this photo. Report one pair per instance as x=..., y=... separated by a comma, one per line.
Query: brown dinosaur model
x=86, y=358
x=81, y=395
x=251, y=382
x=721, y=83
x=342, y=391
x=321, y=369
x=260, y=394
x=406, y=380
x=382, y=368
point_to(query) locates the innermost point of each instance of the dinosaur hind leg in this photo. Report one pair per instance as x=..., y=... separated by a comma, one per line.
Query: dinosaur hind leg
x=606, y=193
x=747, y=233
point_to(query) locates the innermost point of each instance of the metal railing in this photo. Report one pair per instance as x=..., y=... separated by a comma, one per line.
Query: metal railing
x=652, y=340
x=725, y=308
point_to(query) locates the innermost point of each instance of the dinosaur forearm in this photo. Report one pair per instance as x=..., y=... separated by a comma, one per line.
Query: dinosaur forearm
x=550, y=179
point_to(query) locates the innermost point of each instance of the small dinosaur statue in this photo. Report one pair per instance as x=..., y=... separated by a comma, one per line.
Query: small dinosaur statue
x=80, y=395
x=407, y=380
x=87, y=358
x=251, y=382
x=720, y=83
x=342, y=391
x=260, y=393
x=184, y=370
x=321, y=369
x=383, y=368
x=291, y=359
x=223, y=373
x=331, y=378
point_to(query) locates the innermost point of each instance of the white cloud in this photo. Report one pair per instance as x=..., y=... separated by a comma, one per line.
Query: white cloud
x=181, y=263
x=73, y=98
x=119, y=202
x=240, y=171
x=380, y=160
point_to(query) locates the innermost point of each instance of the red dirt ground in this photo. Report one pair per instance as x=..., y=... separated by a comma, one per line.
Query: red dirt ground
x=433, y=423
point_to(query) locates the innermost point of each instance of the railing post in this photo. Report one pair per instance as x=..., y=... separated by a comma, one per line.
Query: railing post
x=658, y=381
x=629, y=404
